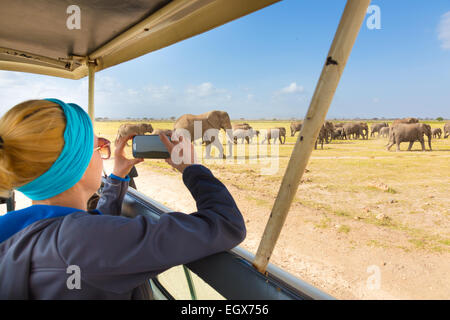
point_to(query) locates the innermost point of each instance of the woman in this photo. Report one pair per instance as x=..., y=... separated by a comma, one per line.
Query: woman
x=49, y=152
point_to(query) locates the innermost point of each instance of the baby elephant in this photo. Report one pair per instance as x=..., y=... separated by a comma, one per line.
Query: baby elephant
x=274, y=133
x=377, y=127
x=437, y=133
x=384, y=132
x=244, y=134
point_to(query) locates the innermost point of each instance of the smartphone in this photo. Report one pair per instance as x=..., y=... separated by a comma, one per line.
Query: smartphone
x=150, y=147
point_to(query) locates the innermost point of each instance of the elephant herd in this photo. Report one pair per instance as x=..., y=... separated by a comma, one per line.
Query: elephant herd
x=437, y=132
x=401, y=130
x=336, y=131
x=208, y=125
x=410, y=130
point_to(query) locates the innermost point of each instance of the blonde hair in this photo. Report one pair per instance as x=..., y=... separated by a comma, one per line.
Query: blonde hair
x=33, y=137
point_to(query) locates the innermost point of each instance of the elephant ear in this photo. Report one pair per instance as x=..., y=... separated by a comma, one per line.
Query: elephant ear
x=226, y=121
x=214, y=119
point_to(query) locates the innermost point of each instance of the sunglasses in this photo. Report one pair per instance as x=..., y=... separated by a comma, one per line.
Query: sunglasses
x=104, y=147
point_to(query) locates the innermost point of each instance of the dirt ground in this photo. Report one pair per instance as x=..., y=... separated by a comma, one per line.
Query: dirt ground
x=342, y=263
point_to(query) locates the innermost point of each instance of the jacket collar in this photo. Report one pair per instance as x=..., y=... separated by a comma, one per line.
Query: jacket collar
x=15, y=221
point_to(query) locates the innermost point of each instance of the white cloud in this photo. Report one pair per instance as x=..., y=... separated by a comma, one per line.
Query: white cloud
x=160, y=93
x=292, y=88
x=203, y=90
x=17, y=87
x=115, y=99
x=205, y=96
x=132, y=92
x=112, y=98
x=444, y=31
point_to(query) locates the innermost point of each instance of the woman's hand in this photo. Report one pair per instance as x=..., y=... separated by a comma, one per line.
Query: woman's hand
x=182, y=153
x=122, y=165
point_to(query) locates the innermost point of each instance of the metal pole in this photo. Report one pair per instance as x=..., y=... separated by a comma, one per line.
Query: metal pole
x=190, y=283
x=349, y=26
x=91, y=109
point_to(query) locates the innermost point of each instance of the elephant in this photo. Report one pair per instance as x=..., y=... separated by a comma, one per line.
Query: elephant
x=353, y=130
x=365, y=128
x=377, y=127
x=244, y=134
x=325, y=131
x=437, y=133
x=339, y=125
x=409, y=132
x=384, y=132
x=128, y=129
x=338, y=133
x=244, y=126
x=211, y=123
x=329, y=129
x=405, y=120
x=446, y=130
x=240, y=126
x=273, y=133
x=296, y=127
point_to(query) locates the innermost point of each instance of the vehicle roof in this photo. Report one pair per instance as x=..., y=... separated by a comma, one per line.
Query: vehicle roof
x=34, y=36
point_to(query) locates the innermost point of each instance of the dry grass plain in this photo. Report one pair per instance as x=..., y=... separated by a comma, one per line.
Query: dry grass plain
x=358, y=207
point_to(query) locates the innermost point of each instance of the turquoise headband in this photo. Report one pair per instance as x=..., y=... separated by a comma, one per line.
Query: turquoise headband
x=74, y=159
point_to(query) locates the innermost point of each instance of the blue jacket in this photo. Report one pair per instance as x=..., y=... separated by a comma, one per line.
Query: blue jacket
x=115, y=255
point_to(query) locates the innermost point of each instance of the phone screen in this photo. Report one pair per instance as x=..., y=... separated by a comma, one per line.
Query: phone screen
x=150, y=147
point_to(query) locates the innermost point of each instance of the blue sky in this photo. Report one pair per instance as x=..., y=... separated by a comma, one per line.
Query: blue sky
x=266, y=65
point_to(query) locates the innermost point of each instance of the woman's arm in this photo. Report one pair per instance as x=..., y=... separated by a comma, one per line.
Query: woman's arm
x=111, y=197
x=116, y=185
x=118, y=254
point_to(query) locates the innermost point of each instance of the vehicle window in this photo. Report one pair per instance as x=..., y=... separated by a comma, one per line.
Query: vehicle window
x=365, y=220
x=183, y=284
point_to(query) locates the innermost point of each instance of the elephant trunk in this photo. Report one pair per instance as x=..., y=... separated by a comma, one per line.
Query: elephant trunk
x=429, y=141
x=229, y=134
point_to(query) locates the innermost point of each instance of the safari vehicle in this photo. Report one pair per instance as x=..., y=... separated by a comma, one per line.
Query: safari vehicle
x=36, y=37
